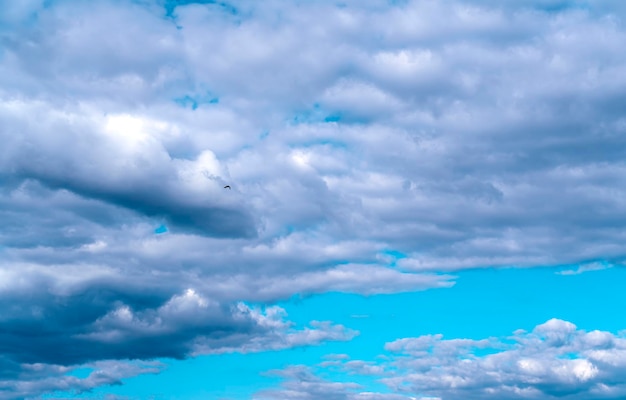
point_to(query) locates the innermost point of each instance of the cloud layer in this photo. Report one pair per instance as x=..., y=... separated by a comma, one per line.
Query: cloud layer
x=371, y=147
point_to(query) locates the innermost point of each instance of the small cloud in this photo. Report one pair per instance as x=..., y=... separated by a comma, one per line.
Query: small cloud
x=96, y=246
x=335, y=356
x=594, y=266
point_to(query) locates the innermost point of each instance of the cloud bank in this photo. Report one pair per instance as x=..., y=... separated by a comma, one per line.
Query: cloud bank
x=556, y=360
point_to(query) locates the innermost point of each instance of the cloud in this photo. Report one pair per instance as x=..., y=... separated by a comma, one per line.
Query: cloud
x=136, y=325
x=302, y=383
x=554, y=360
x=117, y=159
x=71, y=335
x=596, y=266
x=39, y=378
x=472, y=143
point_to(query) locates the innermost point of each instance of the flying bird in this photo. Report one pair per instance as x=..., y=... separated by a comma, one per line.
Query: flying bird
x=227, y=187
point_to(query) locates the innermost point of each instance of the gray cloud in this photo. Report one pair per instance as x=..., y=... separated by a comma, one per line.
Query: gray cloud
x=444, y=147
x=38, y=378
x=45, y=339
x=555, y=360
x=109, y=321
x=131, y=170
x=462, y=134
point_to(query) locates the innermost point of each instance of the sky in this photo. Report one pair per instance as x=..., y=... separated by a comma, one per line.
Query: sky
x=427, y=199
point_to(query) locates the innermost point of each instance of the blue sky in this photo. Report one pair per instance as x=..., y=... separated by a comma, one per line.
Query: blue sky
x=427, y=199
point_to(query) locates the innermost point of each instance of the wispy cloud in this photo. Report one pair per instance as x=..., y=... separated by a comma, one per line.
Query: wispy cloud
x=37, y=378
x=595, y=266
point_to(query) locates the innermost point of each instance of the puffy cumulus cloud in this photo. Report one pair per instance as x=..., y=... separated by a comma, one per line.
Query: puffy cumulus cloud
x=554, y=360
x=461, y=134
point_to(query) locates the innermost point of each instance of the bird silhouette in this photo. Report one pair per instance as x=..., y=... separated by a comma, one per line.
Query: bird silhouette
x=227, y=187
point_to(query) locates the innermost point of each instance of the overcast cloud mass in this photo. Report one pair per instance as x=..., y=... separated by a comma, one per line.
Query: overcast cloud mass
x=372, y=147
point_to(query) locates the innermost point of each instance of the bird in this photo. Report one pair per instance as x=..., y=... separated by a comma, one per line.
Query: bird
x=227, y=187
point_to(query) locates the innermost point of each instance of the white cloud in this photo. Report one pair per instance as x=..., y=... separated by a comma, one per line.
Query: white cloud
x=555, y=360
x=582, y=268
